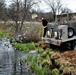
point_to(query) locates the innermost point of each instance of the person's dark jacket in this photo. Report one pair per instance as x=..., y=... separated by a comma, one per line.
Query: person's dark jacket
x=44, y=22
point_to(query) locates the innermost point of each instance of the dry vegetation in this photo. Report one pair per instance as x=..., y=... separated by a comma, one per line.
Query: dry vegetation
x=31, y=31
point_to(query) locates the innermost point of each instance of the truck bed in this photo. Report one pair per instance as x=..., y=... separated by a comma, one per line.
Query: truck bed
x=57, y=41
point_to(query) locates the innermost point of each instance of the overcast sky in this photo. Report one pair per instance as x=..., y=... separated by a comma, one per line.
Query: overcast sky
x=71, y=4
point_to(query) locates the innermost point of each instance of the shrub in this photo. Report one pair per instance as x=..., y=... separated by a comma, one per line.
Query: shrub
x=61, y=68
x=40, y=50
x=66, y=71
x=45, y=71
x=44, y=54
x=46, y=62
x=32, y=32
x=55, y=71
x=57, y=64
x=2, y=34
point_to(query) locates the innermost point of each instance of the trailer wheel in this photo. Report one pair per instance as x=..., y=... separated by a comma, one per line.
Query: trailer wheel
x=66, y=45
x=70, y=32
x=74, y=45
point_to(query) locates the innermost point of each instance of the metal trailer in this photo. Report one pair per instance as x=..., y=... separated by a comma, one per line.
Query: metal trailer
x=64, y=37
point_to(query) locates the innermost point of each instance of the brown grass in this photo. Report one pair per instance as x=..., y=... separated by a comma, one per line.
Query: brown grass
x=33, y=31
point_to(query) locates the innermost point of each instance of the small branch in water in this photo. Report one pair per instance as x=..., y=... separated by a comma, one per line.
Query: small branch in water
x=21, y=65
x=15, y=67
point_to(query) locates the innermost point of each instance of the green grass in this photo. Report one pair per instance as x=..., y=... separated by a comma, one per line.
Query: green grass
x=2, y=34
x=35, y=67
x=28, y=58
x=24, y=47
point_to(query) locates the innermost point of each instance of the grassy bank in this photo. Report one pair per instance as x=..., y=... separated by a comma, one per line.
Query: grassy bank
x=25, y=47
x=47, y=63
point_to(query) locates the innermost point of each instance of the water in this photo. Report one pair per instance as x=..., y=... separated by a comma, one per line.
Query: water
x=10, y=60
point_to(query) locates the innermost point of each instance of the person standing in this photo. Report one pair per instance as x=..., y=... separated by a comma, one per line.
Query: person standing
x=44, y=23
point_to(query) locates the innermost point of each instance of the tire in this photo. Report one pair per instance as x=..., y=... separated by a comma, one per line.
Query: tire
x=70, y=32
x=74, y=45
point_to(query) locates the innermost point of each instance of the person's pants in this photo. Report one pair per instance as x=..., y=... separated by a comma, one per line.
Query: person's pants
x=45, y=30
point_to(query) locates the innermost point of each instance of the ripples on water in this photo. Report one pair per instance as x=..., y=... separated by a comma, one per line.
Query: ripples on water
x=9, y=64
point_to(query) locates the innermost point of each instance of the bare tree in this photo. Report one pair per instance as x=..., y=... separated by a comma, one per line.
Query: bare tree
x=18, y=12
x=66, y=10
x=27, y=5
x=54, y=5
x=3, y=11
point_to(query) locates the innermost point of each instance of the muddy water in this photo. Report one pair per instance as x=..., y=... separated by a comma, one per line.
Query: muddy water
x=10, y=60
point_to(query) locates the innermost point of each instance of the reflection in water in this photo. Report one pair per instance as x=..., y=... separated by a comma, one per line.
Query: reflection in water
x=9, y=60
x=6, y=57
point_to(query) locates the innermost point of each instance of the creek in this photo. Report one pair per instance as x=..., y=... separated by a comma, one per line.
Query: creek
x=11, y=60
